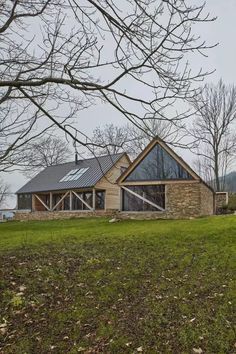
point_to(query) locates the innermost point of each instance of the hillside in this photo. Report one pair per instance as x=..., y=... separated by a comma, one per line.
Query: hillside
x=231, y=182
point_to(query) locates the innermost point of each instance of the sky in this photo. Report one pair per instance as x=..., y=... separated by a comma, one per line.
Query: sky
x=222, y=59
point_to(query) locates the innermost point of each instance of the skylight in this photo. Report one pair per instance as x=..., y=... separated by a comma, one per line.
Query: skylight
x=73, y=175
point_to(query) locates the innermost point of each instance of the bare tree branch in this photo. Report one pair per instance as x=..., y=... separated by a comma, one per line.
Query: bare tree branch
x=47, y=151
x=214, y=129
x=4, y=192
x=59, y=57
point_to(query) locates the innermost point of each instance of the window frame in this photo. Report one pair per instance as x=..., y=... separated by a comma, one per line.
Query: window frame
x=104, y=199
x=157, y=210
x=76, y=200
x=74, y=175
x=178, y=164
x=20, y=195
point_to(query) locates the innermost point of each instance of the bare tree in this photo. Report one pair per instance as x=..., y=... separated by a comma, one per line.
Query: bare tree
x=42, y=153
x=4, y=192
x=61, y=56
x=110, y=139
x=139, y=138
x=214, y=130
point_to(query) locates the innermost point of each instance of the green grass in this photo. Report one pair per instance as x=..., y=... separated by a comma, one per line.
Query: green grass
x=90, y=286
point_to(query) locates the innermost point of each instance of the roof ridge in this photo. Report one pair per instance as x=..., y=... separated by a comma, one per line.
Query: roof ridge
x=90, y=158
x=98, y=157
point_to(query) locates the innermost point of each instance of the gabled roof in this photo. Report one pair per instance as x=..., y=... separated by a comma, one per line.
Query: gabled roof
x=148, y=148
x=49, y=179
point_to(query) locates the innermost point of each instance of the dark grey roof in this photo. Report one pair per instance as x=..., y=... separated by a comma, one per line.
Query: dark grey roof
x=48, y=179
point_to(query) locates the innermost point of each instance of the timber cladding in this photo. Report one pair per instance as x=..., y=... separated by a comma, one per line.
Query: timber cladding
x=109, y=184
x=36, y=205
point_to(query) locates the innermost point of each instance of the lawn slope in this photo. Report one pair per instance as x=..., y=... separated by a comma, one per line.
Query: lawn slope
x=134, y=286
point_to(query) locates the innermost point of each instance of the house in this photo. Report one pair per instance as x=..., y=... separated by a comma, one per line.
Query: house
x=157, y=184
x=160, y=181
x=85, y=185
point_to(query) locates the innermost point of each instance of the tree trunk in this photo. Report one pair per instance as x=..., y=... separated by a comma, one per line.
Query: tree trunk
x=217, y=178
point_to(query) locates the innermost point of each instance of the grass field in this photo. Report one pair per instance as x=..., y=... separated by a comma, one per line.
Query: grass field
x=134, y=286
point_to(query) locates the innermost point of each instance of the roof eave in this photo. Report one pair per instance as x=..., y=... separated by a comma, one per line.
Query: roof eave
x=54, y=190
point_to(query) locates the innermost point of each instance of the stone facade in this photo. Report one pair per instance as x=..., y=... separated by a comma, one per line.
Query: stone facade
x=221, y=199
x=182, y=200
x=57, y=215
x=207, y=200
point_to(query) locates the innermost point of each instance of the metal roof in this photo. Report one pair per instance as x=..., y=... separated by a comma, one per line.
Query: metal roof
x=49, y=179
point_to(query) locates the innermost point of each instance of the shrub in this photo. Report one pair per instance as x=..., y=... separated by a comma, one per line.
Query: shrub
x=232, y=202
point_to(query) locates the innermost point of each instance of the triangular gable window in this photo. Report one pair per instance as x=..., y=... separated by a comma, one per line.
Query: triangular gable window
x=158, y=164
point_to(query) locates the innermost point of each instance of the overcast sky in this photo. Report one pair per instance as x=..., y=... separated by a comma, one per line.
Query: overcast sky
x=221, y=58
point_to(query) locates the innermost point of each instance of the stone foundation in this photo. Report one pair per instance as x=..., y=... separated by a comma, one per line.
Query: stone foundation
x=57, y=215
x=147, y=215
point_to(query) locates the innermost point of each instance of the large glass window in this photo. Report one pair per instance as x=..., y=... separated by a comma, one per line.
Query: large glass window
x=74, y=175
x=67, y=203
x=100, y=200
x=154, y=193
x=88, y=198
x=77, y=203
x=24, y=201
x=55, y=199
x=158, y=165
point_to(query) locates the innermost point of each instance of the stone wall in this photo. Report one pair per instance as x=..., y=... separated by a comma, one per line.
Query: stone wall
x=221, y=199
x=182, y=200
x=189, y=200
x=207, y=200
x=57, y=215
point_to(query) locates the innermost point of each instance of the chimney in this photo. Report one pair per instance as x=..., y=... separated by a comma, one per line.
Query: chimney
x=76, y=158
